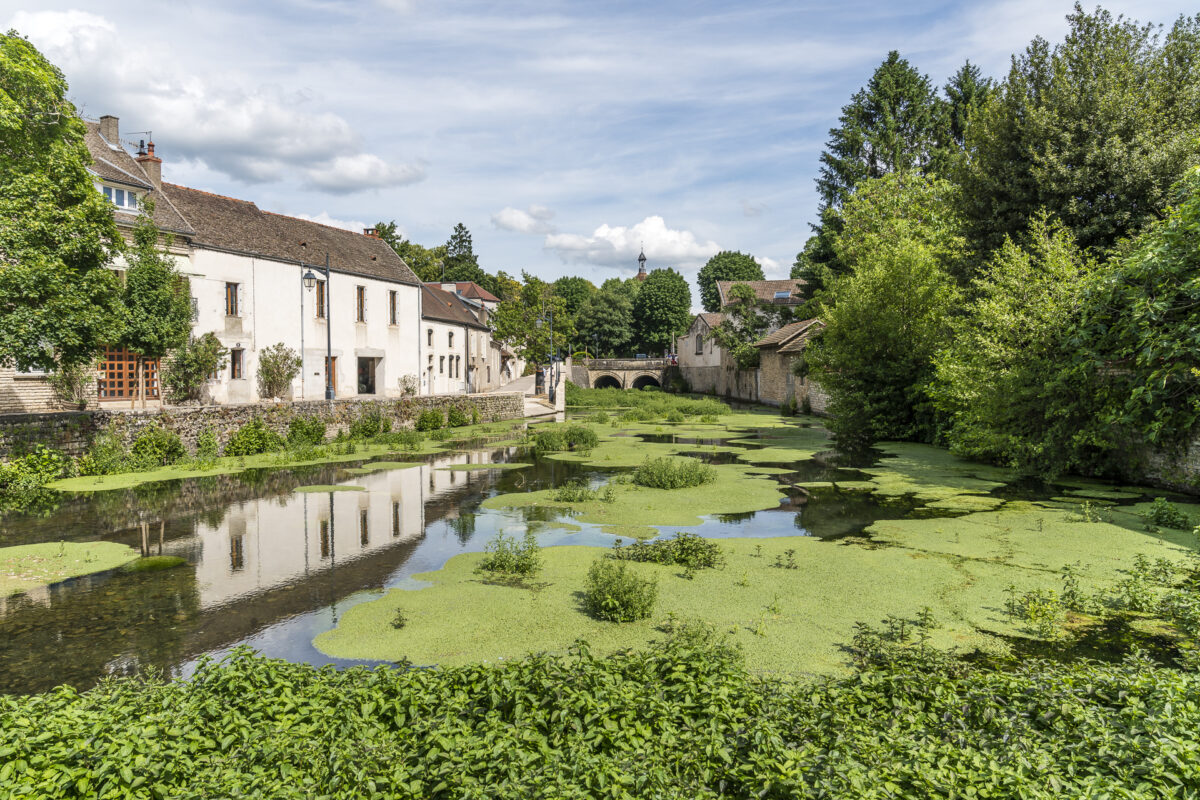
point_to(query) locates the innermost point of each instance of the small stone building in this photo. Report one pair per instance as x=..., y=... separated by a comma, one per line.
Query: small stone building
x=778, y=354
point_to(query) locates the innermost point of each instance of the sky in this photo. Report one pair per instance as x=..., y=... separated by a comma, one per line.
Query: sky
x=566, y=136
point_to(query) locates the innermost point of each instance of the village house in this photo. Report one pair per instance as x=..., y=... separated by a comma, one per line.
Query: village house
x=778, y=354
x=460, y=355
x=705, y=365
x=247, y=269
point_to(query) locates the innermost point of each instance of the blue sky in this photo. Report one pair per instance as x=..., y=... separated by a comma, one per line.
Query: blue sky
x=564, y=135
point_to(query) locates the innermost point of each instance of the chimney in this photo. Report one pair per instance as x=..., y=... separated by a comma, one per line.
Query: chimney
x=370, y=232
x=108, y=128
x=483, y=314
x=151, y=164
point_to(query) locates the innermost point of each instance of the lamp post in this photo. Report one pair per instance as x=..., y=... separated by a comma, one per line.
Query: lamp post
x=548, y=316
x=310, y=280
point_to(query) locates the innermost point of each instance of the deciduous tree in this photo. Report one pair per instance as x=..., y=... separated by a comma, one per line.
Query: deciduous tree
x=728, y=265
x=662, y=310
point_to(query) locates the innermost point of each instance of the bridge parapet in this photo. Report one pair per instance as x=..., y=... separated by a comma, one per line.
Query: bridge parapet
x=625, y=363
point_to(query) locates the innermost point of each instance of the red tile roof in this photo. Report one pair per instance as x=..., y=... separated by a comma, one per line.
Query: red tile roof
x=765, y=291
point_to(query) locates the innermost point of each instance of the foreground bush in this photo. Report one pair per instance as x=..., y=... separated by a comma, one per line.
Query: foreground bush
x=505, y=556
x=581, y=726
x=618, y=594
x=430, y=419
x=156, y=447
x=252, y=438
x=306, y=431
x=673, y=473
x=686, y=550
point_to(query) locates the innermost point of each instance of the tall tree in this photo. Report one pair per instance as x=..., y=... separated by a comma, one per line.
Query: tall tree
x=461, y=263
x=524, y=322
x=727, y=265
x=426, y=262
x=884, y=323
x=966, y=91
x=605, y=322
x=1095, y=130
x=158, y=304
x=890, y=125
x=59, y=306
x=574, y=291
x=662, y=310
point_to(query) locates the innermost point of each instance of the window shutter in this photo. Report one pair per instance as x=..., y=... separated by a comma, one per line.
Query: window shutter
x=241, y=299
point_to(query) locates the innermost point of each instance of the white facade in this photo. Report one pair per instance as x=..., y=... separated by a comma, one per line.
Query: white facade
x=272, y=305
x=444, y=348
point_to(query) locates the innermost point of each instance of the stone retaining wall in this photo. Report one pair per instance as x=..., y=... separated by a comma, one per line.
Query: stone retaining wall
x=73, y=432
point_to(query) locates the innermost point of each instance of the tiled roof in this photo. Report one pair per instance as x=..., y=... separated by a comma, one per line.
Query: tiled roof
x=765, y=291
x=446, y=307
x=113, y=164
x=239, y=225
x=712, y=318
x=791, y=338
x=474, y=291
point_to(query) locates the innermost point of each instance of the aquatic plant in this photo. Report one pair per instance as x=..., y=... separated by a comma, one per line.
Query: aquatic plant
x=1167, y=515
x=615, y=593
x=686, y=549
x=575, y=491
x=673, y=473
x=505, y=556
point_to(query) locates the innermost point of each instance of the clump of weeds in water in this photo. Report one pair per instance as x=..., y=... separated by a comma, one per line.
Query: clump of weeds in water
x=575, y=491
x=608, y=494
x=1167, y=515
x=926, y=620
x=1089, y=513
x=686, y=549
x=505, y=557
x=774, y=606
x=744, y=581
x=1042, y=610
x=758, y=551
x=400, y=620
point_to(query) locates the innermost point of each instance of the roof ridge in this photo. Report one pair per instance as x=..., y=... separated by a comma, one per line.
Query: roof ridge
x=213, y=194
x=314, y=222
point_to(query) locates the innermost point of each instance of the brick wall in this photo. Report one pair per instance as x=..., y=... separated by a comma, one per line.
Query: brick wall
x=73, y=432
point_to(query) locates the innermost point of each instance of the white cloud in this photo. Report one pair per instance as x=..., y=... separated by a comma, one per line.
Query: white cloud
x=253, y=134
x=356, y=225
x=534, y=220
x=619, y=245
x=770, y=266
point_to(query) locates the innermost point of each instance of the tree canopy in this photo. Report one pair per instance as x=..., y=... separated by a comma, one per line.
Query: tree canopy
x=662, y=310
x=727, y=265
x=605, y=322
x=59, y=306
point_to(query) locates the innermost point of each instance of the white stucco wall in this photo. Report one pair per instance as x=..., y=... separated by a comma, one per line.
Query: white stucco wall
x=686, y=347
x=274, y=306
x=437, y=376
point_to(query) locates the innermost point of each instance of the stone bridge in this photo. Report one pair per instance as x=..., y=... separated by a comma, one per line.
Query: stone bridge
x=620, y=373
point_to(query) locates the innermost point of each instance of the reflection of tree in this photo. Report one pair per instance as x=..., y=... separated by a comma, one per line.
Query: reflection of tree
x=126, y=622
x=464, y=527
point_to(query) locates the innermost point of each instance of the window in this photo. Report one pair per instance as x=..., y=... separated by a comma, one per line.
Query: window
x=489, y=374
x=699, y=343
x=360, y=303
x=120, y=375
x=392, y=316
x=783, y=295
x=237, y=554
x=121, y=198
x=441, y=365
x=321, y=300
x=429, y=337
x=450, y=338
x=235, y=364
x=231, y=299
x=395, y=519
x=364, y=536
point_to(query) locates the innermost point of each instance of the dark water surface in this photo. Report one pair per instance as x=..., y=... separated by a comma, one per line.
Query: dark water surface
x=271, y=568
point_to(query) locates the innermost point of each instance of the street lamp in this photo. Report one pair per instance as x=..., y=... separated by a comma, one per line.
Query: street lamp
x=548, y=315
x=310, y=280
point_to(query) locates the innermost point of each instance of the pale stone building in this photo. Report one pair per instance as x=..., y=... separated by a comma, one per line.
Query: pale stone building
x=460, y=354
x=778, y=354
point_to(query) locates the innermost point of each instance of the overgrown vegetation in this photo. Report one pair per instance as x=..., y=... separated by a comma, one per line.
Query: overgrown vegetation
x=431, y=419
x=252, y=438
x=278, y=366
x=686, y=550
x=673, y=473
x=562, y=438
x=647, y=405
x=616, y=593
x=191, y=365
x=505, y=556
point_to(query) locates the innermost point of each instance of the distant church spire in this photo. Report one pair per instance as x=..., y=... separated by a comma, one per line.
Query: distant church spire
x=641, y=276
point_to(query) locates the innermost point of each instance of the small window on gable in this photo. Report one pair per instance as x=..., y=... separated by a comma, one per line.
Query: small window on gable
x=450, y=338
x=783, y=295
x=122, y=198
x=429, y=337
x=699, y=344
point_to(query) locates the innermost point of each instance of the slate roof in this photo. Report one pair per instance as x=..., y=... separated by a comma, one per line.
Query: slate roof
x=112, y=163
x=765, y=291
x=793, y=337
x=446, y=307
x=227, y=223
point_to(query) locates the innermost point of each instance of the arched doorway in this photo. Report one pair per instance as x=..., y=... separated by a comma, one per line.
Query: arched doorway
x=642, y=381
x=606, y=382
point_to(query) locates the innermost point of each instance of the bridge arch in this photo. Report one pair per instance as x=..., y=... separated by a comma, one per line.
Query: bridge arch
x=607, y=380
x=646, y=379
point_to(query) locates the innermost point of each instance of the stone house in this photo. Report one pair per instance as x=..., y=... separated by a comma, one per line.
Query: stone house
x=460, y=354
x=247, y=270
x=789, y=292
x=778, y=353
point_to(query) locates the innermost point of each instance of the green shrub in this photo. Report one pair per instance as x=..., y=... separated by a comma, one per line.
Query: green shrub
x=575, y=491
x=675, y=415
x=1168, y=515
x=278, y=366
x=686, y=550
x=430, y=420
x=504, y=555
x=615, y=593
x=306, y=430
x=207, y=446
x=105, y=456
x=788, y=408
x=191, y=366
x=406, y=439
x=441, y=435
x=252, y=438
x=456, y=418
x=598, y=418
x=709, y=419
x=369, y=423
x=673, y=473
x=32, y=470
x=474, y=415
x=156, y=447
x=560, y=438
